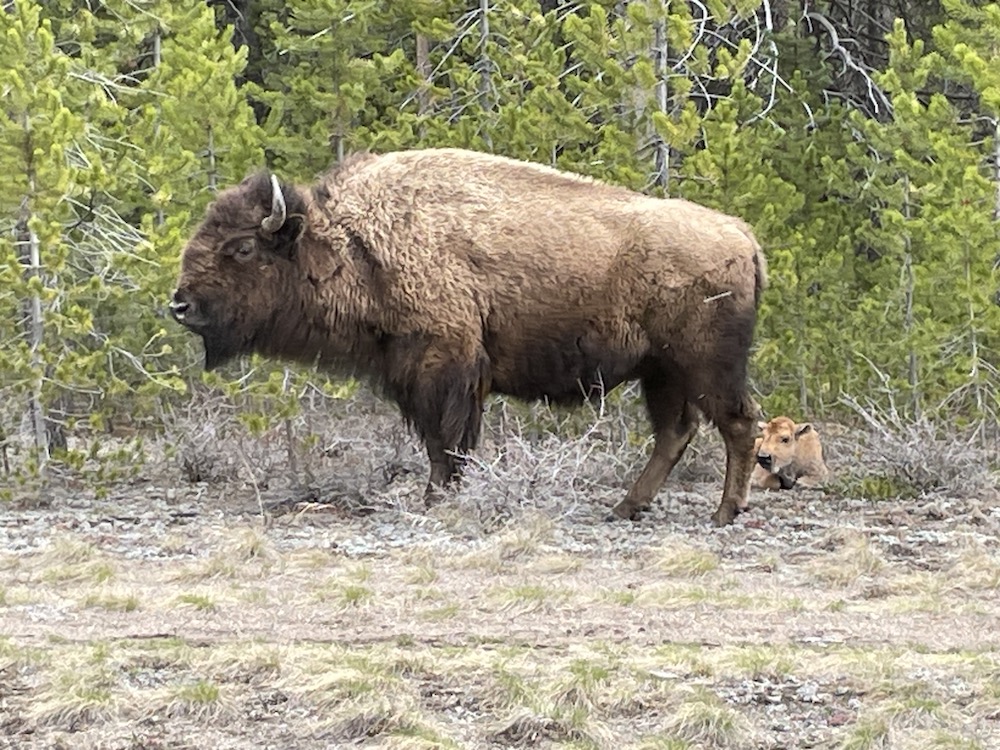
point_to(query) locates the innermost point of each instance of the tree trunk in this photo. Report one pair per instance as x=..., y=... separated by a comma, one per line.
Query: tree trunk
x=660, y=52
x=31, y=259
x=423, y=65
x=909, y=280
x=485, y=65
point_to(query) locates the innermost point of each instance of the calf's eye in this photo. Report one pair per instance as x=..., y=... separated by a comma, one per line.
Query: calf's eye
x=786, y=439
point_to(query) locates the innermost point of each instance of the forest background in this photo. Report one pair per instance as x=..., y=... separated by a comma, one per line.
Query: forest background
x=860, y=138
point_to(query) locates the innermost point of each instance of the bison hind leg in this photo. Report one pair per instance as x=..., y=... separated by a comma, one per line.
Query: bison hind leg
x=735, y=419
x=674, y=423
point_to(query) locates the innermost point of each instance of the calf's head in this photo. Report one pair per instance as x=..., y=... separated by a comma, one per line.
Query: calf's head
x=778, y=447
x=238, y=270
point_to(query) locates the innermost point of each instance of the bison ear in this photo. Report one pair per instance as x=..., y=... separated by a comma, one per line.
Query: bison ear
x=802, y=429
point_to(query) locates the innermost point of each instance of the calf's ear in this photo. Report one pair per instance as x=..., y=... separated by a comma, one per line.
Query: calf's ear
x=802, y=429
x=762, y=425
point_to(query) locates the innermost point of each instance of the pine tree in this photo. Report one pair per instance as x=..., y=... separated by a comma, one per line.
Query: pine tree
x=60, y=229
x=317, y=81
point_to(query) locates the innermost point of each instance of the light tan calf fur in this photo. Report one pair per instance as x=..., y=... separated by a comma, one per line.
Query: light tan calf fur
x=787, y=455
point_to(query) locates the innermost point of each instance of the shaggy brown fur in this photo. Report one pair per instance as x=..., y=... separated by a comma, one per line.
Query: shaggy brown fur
x=787, y=455
x=445, y=275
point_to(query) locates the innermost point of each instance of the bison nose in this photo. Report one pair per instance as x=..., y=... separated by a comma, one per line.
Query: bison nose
x=179, y=306
x=765, y=460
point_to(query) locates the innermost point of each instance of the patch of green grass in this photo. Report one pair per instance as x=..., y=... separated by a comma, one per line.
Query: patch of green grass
x=512, y=689
x=869, y=733
x=874, y=487
x=257, y=595
x=200, y=692
x=200, y=602
x=528, y=597
x=88, y=571
x=853, y=559
x=528, y=592
x=765, y=661
x=665, y=743
x=447, y=612
x=111, y=602
x=582, y=689
x=82, y=692
x=422, y=575
x=67, y=550
x=621, y=597
x=684, y=561
x=23, y=656
x=703, y=719
x=215, y=566
x=557, y=564
x=418, y=735
x=355, y=595
x=944, y=740
x=360, y=573
x=686, y=660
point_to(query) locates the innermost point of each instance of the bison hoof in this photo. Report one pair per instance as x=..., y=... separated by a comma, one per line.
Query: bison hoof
x=626, y=511
x=725, y=515
x=434, y=495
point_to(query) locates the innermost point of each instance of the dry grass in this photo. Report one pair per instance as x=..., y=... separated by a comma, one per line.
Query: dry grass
x=510, y=615
x=702, y=719
x=602, y=695
x=679, y=559
x=851, y=557
x=898, y=457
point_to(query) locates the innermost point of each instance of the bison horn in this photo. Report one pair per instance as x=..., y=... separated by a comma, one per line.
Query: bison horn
x=276, y=220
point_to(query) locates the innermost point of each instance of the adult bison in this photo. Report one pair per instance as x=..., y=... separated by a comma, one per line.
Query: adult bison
x=443, y=275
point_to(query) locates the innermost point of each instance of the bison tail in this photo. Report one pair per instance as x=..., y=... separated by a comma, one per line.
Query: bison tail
x=760, y=275
x=759, y=265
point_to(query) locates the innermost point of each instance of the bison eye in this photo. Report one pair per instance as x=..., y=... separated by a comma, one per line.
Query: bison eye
x=245, y=250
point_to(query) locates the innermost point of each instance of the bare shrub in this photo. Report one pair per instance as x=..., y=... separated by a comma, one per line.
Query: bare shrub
x=901, y=457
x=354, y=454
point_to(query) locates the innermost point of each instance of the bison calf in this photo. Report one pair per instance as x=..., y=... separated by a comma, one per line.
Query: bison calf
x=787, y=455
x=444, y=275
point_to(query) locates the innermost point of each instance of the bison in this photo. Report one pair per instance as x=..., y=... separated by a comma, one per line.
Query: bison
x=787, y=455
x=443, y=275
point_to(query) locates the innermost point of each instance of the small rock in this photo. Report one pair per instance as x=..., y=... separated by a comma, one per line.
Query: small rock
x=839, y=718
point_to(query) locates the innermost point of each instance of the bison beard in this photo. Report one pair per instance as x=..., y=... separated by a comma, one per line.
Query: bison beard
x=219, y=349
x=444, y=275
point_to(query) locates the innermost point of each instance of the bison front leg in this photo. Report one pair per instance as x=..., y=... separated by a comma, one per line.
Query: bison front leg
x=446, y=467
x=674, y=423
x=441, y=395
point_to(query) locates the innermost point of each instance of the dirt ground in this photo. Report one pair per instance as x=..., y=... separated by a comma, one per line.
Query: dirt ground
x=177, y=614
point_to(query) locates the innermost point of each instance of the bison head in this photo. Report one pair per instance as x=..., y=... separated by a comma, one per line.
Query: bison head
x=239, y=267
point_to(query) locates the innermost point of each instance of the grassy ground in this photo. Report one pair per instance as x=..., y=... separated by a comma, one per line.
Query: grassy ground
x=172, y=614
